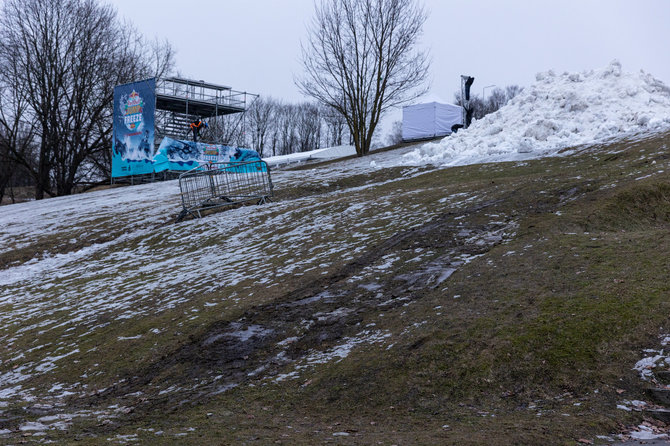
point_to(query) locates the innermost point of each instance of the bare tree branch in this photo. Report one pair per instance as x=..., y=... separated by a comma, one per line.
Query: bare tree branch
x=360, y=60
x=64, y=57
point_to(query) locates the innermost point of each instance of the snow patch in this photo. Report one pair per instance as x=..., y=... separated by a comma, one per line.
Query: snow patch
x=644, y=365
x=554, y=113
x=336, y=353
x=646, y=433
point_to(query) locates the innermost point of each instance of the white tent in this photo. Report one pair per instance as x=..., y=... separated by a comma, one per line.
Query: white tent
x=429, y=120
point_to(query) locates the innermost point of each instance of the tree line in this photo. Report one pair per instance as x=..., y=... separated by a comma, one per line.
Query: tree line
x=59, y=63
x=274, y=127
x=60, y=60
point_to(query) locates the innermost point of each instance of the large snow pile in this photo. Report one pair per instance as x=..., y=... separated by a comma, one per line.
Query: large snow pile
x=556, y=112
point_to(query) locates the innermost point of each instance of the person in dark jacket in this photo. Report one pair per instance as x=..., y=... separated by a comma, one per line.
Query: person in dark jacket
x=196, y=126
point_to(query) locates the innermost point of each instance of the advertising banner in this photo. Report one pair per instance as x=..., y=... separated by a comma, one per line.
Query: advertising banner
x=133, y=139
x=177, y=154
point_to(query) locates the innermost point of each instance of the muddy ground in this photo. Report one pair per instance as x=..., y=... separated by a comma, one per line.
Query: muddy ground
x=516, y=309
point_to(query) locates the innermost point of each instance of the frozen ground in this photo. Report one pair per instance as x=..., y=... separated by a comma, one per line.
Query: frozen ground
x=93, y=267
x=96, y=265
x=150, y=265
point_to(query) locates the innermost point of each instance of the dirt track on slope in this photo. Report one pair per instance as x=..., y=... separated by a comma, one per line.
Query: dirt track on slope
x=267, y=339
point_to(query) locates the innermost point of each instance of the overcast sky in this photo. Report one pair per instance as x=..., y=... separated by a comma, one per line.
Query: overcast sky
x=254, y=45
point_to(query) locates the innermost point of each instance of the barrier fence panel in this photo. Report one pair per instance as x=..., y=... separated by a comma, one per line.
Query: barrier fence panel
x=215, y=185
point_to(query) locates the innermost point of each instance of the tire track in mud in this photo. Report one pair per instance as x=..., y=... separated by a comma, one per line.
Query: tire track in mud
x=272, y=338
x=268, y=338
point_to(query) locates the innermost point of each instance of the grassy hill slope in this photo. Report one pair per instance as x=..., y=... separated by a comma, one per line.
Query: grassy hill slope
x=366, y=306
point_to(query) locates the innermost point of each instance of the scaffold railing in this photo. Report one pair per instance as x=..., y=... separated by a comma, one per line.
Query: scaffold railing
x=174, y=89
x=217, y=185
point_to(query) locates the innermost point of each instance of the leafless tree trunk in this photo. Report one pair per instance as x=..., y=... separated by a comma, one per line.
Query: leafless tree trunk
x=66, y=56
x=259, y=122
x=286, y=123
x=274, y=129
x=335, y=125
x=308, y=127
x=360, y=60
x=17, y=138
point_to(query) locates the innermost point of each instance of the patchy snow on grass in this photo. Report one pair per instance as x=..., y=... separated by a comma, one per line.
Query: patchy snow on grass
x=343, y=350
x=244, y=335
x=33, y=426
x=128, y=338
x=334, y=354
x=54, y=302
x=632, y=405
x=645, y=365
x=647, y=433
x=151, y=267
x=21, y=223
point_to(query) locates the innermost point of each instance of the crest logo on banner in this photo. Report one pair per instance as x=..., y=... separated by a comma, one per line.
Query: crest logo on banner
x=211, y=153
x=133, y=141
x=132, y=111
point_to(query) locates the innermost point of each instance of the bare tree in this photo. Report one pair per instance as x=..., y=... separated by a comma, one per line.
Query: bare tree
x=279, y=128
x=286, y=124
x=308, y=127
x=259, y=121
x=335, y=125
x=66, y=56
x=496, y=100
x=512, y=90
x=360, y=60
x=17, y=139
x=229, y=129
x=274, y=133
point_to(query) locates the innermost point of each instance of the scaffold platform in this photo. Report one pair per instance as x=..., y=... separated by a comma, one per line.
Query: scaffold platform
x=198, y=98
x=180, y=101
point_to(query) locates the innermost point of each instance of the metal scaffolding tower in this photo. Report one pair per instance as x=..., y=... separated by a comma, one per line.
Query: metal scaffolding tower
x=180, y=101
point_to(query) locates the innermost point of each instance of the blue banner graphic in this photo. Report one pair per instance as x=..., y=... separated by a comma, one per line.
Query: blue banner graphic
x=176, y=154
x=133, y=139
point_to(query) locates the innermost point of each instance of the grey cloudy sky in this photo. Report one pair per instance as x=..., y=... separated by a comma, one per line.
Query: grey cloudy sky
x=254, y=45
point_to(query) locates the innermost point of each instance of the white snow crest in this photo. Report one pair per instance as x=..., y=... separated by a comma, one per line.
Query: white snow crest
x=644, y=365
x=557, y=112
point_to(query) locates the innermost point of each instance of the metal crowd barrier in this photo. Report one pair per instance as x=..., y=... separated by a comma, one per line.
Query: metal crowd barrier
x=216, y=185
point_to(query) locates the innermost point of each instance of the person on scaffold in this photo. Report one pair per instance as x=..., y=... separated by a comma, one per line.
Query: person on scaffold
x=196, y=126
